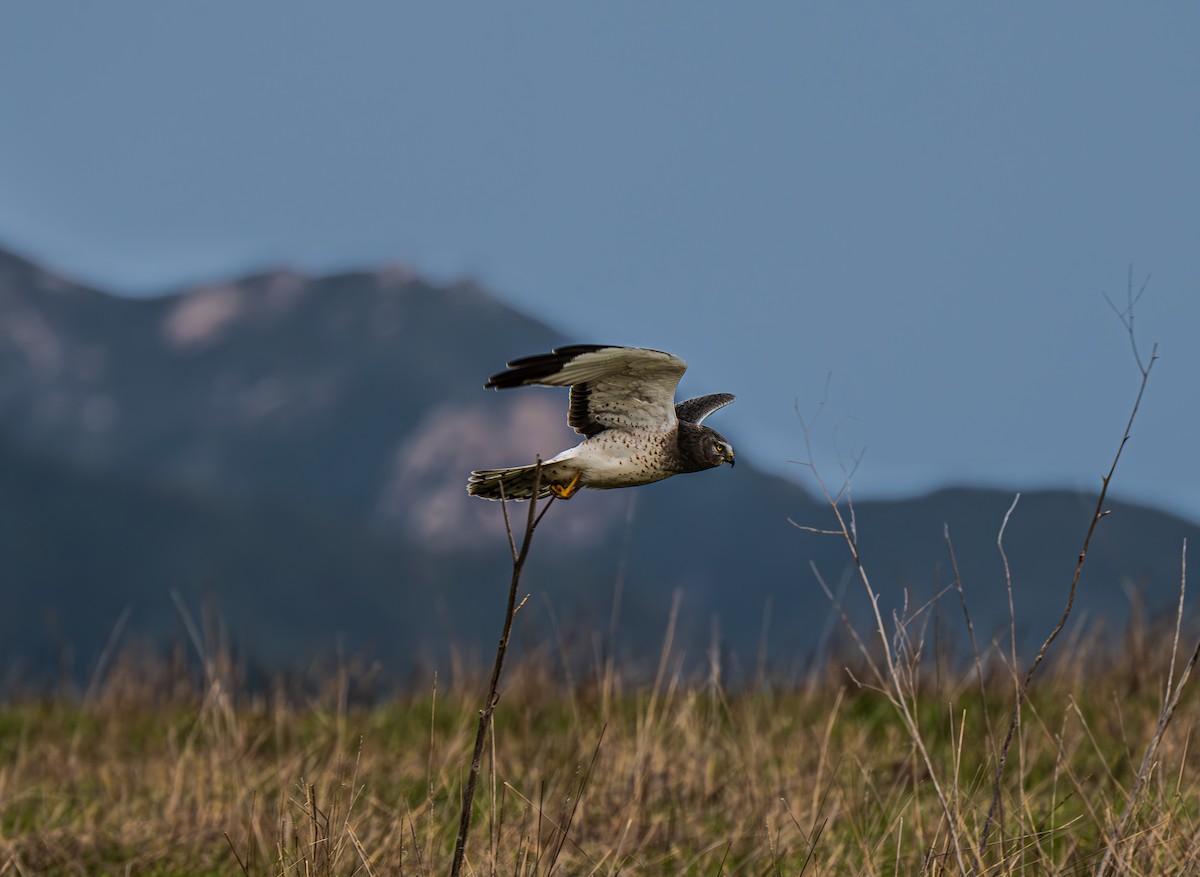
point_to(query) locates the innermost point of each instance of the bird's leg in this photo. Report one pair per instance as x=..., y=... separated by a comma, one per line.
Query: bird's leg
x=570, y=490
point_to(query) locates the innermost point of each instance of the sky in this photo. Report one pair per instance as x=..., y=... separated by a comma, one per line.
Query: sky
x=903, y=216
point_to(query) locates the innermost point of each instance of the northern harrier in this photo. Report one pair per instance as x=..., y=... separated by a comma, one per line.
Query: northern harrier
x=623, y=401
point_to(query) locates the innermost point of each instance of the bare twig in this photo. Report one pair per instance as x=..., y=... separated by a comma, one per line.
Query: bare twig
x=1125, y=314
x=997, y=804
x=489, y=705
x=835, y=601
x=894, y=687
x=962, y=599
x=1126, y=317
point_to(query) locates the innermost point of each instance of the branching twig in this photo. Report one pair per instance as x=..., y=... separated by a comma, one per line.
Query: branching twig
x=489, y=704
x=1126, y=317
x=1125, y=314
x=894, y=686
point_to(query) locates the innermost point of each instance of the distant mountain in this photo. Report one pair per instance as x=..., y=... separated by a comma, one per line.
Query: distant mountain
x=295, y=449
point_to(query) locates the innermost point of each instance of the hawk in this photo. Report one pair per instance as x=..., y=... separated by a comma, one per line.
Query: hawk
x=623, y=403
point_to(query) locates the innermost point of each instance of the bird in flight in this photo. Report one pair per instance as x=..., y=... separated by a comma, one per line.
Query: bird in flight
x=623, y=403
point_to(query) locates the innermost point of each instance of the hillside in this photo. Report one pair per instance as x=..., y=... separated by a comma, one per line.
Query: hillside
x=293, y=451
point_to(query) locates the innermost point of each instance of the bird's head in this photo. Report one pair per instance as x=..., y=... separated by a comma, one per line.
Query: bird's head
x=701, y=447
x=718, y=449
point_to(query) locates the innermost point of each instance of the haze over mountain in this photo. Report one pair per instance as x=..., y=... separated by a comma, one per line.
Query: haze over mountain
x=294, y=450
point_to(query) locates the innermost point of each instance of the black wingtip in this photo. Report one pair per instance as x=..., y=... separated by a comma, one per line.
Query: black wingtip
x=530, y=369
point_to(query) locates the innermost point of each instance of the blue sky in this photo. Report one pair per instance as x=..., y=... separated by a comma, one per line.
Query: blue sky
x=925, y=202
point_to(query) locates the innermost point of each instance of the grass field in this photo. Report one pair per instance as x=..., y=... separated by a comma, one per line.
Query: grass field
x=163, y=770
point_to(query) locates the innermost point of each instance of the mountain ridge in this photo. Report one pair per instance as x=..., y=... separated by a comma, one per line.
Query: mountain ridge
x=296, y=449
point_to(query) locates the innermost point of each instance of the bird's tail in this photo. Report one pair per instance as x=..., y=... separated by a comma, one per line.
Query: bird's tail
x=517, y=483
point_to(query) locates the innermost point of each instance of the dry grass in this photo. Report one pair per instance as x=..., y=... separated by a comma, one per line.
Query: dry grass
x=161, y=774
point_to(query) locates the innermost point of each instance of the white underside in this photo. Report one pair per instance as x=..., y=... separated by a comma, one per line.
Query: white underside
x=606, y=461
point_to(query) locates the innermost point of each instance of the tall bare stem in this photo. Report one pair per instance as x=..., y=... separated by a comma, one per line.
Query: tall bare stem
x=519, y=556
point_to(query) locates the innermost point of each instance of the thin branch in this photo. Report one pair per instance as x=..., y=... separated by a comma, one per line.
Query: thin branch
x=850, y=628
x=1125, y=314
x=895, y=692
x=1100, y=512
x=489, y=705
x=1012, y=614
x=512, y=545
x=962, y=599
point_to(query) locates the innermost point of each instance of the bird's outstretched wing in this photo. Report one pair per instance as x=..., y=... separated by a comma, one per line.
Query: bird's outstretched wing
x=611, y=387
x=695, y=410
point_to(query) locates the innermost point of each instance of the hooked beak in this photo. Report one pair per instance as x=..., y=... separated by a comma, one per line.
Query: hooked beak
x=729, y=455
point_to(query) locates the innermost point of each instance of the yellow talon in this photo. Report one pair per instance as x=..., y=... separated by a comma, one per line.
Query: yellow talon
x=569, y=491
